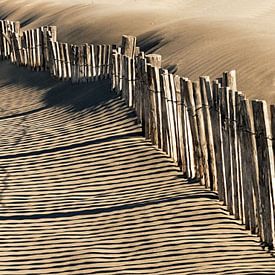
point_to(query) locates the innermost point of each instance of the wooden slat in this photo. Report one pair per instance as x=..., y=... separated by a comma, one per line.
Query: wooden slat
x=114, y=71
x=238, y=98
x=266, y=168
x=128, y=45
x=234, y=152
x=108, y=61
x=103, y=61
x=67, y=60
x=201, y=131
x=165, y=132
x=93, y=62
x=181, y=117
x=124, y=89
x=138, y=89
x=218, y=142
x=207, y=103
x=145, y=99
x=52, y=57
x=99, y=61
x=89, y=62
x=152, y=114
x=225, y=123
x=190, y=127
x=58, y=60
x=157, y=87
x=72, y=51
x=170, y=115
x=250, y=182
x=272, y=110
x=63, y=61
x=154, y=60
x=81, y=61
x=53, y=31
x=37, y=38
x=175, y=115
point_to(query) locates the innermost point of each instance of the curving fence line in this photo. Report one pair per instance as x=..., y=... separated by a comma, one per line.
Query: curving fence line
x=39, y=50
x=209, y=128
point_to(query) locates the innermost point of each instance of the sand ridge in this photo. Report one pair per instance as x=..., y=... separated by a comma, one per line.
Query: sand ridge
x=81, y=191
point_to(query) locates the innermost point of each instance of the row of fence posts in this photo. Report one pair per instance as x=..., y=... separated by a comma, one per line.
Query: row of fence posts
x=39, y=50
x=210, y=129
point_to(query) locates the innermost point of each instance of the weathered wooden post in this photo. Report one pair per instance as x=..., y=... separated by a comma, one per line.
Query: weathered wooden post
x=155, y=61
x=128, y=45
x=193, y=147
x=272, y=110
x=250, y=184
x=201, y=131
x=207, y=104
x=265, y=168
x=181, y=118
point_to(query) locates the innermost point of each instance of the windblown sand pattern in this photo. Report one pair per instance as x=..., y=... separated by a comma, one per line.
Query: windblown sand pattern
x=83, y=193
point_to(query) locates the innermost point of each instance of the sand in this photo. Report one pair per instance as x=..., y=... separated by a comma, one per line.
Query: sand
x=82, y=192
x=199, y=37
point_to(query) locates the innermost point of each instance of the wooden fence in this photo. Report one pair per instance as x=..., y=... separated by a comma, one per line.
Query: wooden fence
x=39, y=50
x=209, y=128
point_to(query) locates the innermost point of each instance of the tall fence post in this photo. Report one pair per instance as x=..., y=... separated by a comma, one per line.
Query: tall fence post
x=265, y=168
x=207, y=104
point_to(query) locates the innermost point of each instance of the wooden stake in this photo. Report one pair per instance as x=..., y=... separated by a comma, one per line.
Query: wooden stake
x=266, y=168
x=128, y=45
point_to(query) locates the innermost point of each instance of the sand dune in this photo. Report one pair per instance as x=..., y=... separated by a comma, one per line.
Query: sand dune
x=81, y=191
x=202, y=38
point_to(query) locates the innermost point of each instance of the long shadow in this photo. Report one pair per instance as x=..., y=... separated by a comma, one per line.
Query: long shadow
x=79, y=96
x=4, y=183
x=128, y=206
x=68, y=147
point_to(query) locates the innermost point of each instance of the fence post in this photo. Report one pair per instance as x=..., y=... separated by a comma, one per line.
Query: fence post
x=266, y=168
x=155, y=61
x=181, y=112
x=202, y=136
x=249, y=169
x=128, y=45
x=207, y=105
x=164, y=114
x=193, y=156
x=225, y=117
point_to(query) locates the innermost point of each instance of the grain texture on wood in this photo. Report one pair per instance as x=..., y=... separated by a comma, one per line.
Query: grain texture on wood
x=225, y=123
x=154, y=60
x=128, y=45
x=202, y=134
x=193, y=146
x=207, y=105
x=266, y=168
x=250, y=182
